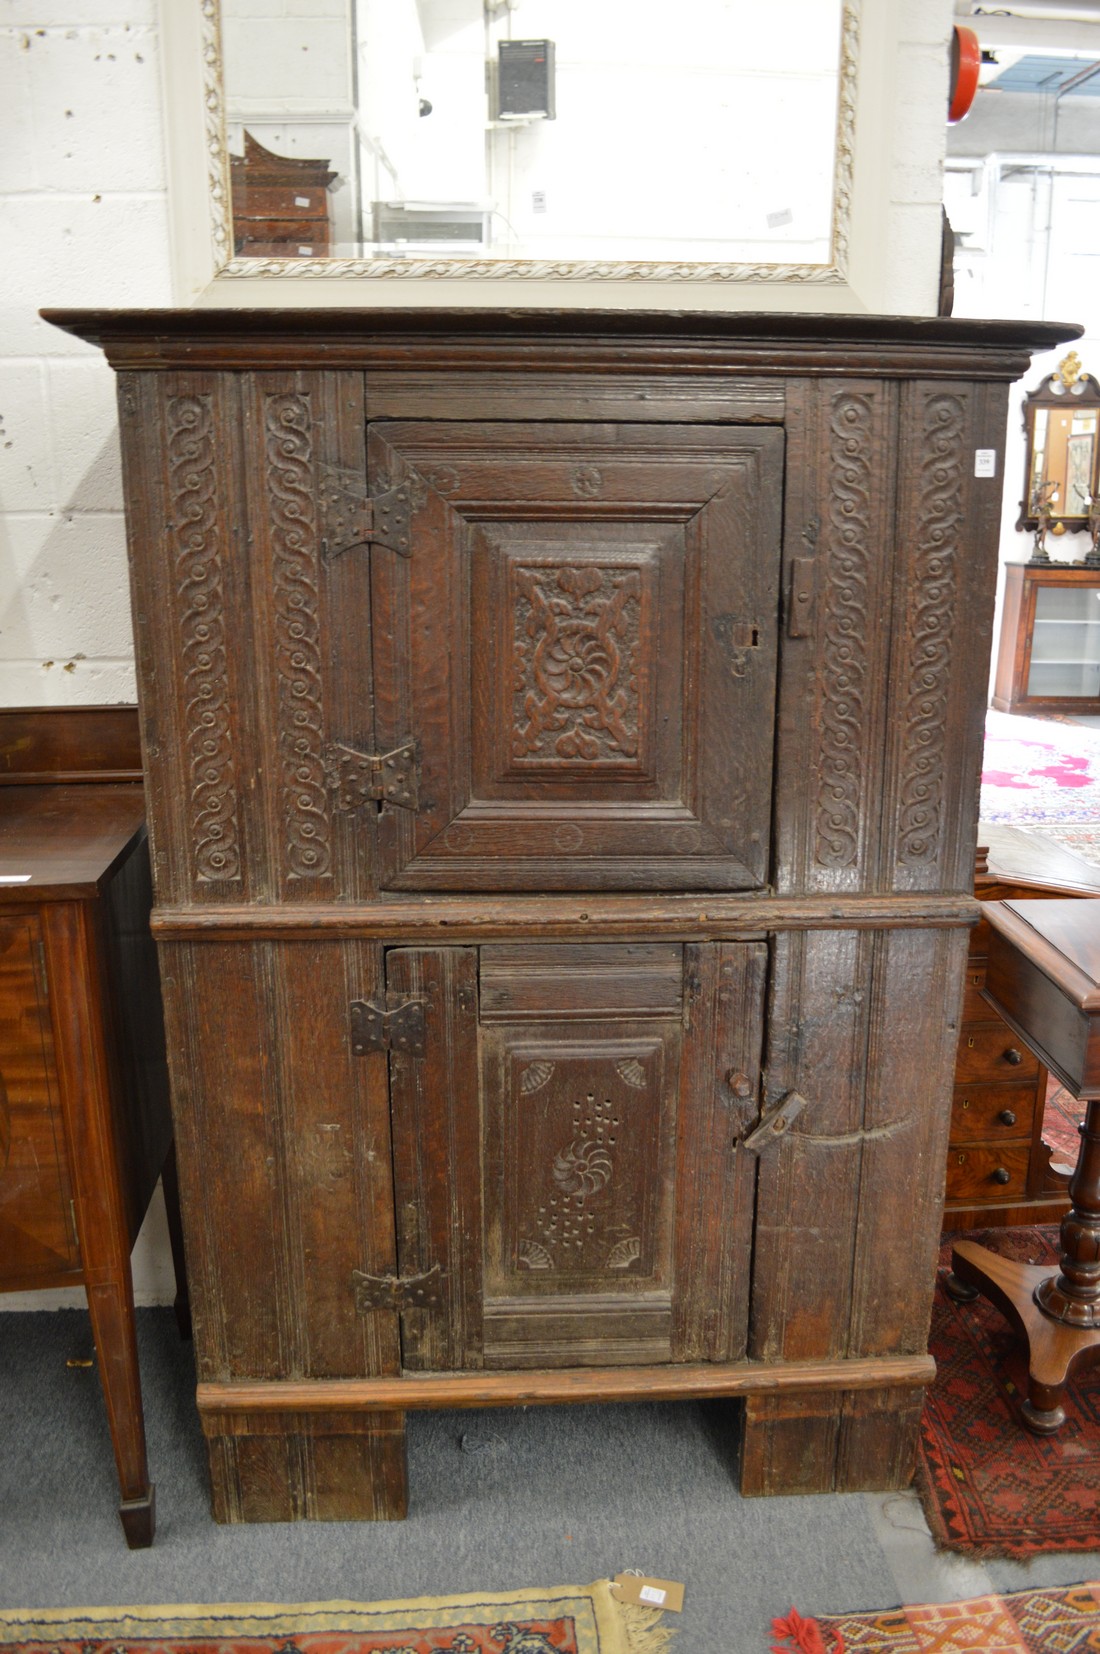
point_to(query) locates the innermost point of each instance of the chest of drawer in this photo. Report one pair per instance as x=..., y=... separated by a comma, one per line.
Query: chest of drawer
x=992, y=1113
x=991, y=1052
x=979, y=1171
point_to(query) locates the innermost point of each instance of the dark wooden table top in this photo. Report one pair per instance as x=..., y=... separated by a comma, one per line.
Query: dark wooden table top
x=66, y=838
x=1062, y=937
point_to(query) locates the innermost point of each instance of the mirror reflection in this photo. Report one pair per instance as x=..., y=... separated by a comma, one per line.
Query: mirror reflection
x=546, y=130
x=1062, y=423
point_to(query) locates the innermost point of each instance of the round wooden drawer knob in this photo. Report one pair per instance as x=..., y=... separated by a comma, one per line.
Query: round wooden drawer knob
x=1013, y=1056
x=1001, y=1176
x=1006, y=1117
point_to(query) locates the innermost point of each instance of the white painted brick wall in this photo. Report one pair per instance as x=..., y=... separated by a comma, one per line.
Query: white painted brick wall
x=83, y=221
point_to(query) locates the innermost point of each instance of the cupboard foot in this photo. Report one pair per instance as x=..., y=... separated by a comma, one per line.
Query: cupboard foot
x=830, y=1441
x=343, y=1467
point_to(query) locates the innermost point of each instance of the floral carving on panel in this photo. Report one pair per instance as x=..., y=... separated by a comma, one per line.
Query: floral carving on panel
x=571, y=1228
x=577, y=640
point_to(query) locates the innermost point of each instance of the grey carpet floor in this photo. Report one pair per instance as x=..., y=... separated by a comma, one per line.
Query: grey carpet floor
x=499, y=1501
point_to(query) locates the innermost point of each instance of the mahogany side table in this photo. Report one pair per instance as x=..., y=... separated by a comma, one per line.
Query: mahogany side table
x=1044, y=979
x=84, y=1120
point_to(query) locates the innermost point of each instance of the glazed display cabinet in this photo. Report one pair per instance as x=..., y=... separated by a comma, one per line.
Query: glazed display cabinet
x=1049, y=654
x=562, y=734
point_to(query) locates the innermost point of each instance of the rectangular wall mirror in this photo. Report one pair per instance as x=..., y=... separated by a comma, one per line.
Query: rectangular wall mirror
x=545, y=138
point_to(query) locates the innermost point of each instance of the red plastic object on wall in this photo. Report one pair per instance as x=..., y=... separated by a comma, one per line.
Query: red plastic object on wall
x=966, y=62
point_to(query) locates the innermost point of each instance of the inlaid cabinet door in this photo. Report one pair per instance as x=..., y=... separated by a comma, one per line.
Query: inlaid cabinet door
x=569, y=1178
x=580, y=640
x=37, y=1236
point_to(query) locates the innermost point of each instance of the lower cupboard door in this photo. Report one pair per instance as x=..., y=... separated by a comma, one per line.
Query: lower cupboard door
x=569, y=1181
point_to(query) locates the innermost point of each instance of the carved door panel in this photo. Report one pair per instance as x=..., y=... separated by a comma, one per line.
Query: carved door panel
x=569, y=1179
x=37, y=1236
x=580, y=638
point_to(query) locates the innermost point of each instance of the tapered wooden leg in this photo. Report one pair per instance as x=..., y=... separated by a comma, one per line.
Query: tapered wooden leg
x=75, y=950
x=111, y=1307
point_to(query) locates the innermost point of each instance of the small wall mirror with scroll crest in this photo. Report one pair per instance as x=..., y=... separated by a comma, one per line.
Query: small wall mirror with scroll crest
x=1062, y=429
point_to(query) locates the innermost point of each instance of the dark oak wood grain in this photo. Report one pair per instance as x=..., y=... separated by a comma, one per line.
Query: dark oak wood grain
x=562, y=734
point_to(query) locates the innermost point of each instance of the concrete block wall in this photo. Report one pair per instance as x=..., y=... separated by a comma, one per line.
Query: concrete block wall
x=84, y=221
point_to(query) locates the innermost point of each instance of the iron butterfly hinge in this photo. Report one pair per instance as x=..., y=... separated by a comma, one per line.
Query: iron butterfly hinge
x=349, y=515
x=376, y=1026
x=356, y=778
x=399, y=1292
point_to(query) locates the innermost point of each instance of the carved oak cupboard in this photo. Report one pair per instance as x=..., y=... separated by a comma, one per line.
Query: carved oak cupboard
x=562, y=734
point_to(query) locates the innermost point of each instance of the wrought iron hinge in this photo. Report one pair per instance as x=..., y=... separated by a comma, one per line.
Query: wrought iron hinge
x=359, y=778
x=376, y=1027
x=400, y=1292
x=774, y=1123
x=350, y=516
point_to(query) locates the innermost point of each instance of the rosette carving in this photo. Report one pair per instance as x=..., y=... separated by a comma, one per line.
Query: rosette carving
x=584, y=1168
x=577, y=634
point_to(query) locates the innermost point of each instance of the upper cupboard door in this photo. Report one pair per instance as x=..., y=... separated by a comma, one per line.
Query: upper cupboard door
x=581, y=642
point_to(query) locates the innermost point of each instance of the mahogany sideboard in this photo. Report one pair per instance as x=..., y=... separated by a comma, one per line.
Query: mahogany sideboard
x=562, y=734
x=85, y=1129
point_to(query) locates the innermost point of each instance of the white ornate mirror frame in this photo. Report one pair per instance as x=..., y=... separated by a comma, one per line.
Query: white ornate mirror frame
x=877, y=263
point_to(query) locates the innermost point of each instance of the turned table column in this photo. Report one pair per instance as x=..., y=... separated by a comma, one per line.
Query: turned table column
x=1044, y=979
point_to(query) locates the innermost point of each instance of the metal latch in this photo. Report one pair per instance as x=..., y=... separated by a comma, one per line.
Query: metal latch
x=400, y=1292
x=359, y=778
x=374, y=1027
x=774, y=1124
x=349, y=516
x=800, y=611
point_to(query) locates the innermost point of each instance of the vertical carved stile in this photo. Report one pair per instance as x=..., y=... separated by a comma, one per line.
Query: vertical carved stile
x=842, y=705
x=199, y=567
x=295, y=558
x=931, y=622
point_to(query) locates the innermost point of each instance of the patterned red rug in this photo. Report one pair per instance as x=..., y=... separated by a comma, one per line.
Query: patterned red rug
x=988, y=1485
x=1061, y=1115
x=570, y=1620
x=1054, y=1621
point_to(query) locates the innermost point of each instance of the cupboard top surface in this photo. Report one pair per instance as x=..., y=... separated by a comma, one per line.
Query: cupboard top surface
x=69, y=839
x=762, y=341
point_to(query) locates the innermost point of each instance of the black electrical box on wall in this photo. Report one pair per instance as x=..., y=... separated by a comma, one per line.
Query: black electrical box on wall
x=525, y=79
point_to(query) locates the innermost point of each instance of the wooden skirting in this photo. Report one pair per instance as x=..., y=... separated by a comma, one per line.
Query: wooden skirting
x=486, y=918
x=219, y=1403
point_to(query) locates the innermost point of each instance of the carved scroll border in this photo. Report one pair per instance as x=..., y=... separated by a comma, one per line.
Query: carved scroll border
x=832, y=274
x=930, y=626
x=841, y=699
x=199, y=571
x=295, y=552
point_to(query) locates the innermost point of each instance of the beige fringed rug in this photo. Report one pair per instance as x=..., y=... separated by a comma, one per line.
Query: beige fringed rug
x=567, y=1620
